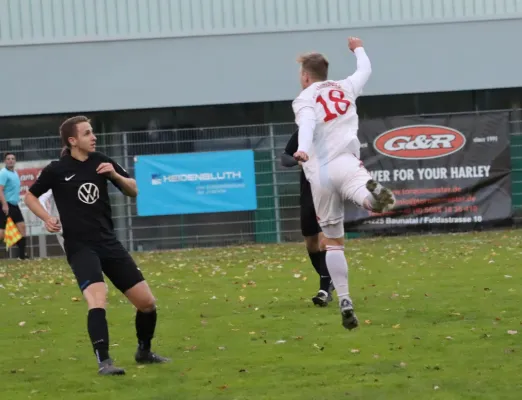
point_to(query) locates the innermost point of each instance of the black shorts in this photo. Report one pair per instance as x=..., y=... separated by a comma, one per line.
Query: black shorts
x=309, y=224
x=14, y=212
x=89, y=261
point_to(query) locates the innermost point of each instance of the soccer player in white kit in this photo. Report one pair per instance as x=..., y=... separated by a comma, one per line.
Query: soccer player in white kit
x=329, y=149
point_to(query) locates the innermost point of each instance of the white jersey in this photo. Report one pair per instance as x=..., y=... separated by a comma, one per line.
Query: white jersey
x=47, y=201
x=328, y=109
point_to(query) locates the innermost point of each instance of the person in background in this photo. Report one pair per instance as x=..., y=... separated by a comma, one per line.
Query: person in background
x=47, y=201
x=9, y=199
x=310, y=228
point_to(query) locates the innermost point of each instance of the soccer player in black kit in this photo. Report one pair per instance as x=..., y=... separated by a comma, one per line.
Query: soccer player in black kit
x=79, y=182
x=309, y=227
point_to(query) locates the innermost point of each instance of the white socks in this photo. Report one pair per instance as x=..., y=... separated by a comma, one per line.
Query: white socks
x=338, y=268
x=370, y=203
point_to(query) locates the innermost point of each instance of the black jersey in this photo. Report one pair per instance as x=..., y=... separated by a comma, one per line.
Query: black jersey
x=81, y=196
x=306, y=190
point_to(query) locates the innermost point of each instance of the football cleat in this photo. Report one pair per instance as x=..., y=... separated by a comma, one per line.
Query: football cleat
x=107, y=368
x=385, y=199
x=349, y=319
x=322, y=298
x=148, y=357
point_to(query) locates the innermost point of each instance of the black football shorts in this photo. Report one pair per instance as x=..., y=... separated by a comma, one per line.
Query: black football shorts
x=90, y=261
x=14, y=212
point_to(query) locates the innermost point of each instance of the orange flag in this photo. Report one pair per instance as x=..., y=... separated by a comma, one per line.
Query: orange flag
x=12, y=234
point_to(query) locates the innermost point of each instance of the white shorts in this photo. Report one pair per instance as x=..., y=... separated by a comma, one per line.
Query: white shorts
x=342, y=179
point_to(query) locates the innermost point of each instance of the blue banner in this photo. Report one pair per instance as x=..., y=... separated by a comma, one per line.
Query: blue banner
x=193, y=183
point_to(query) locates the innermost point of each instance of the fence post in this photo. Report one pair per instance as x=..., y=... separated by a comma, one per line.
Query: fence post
x=128, y=209
x=277, y=210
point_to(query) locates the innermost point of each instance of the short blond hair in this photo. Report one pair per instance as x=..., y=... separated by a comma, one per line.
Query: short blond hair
x=315, y=64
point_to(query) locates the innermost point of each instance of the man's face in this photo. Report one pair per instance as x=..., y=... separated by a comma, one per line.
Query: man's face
x=85, y=139
x=10, y=161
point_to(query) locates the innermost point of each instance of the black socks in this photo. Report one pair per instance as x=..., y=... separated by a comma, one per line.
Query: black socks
x=99, y=333
x=319, y=262
x=145, y=327
x=21, y=249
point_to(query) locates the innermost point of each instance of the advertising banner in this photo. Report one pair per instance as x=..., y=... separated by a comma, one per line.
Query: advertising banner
x=29, y=171
x=191, y=183
x=443, y=170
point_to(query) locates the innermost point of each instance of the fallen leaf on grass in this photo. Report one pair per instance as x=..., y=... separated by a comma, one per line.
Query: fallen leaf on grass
x=223, y=387
x=39, y=331
x=396, y=326
x=367, y=322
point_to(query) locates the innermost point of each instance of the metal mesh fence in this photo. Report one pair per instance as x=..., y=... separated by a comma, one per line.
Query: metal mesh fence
x=276, y=218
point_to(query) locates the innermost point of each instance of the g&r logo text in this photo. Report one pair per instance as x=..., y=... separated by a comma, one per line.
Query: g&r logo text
x=417, y=142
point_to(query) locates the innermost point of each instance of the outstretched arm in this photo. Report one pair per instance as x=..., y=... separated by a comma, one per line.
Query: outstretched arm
x=364, y=67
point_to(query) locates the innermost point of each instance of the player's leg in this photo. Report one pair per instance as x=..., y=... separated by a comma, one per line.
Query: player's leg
x=87, y=269
x=123, y=272
x=3, y=221
x=330, y=211
x=367, y=193
x=338, y=266
x=18, y=219
x=312, y=236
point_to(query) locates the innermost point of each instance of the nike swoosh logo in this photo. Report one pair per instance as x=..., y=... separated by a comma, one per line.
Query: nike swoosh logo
x=68, y=178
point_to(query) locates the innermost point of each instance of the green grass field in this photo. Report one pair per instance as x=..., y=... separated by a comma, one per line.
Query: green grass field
x=440, y=319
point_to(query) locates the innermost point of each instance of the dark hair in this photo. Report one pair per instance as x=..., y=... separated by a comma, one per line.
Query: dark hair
x=315, y=64
x=9, y=154
x=68, y=129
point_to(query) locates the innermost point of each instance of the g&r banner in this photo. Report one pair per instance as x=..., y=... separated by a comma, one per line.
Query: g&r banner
x=443, y=170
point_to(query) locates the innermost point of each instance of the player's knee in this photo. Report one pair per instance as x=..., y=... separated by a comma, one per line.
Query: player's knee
x=332, y=243
x=96, y=295
x=148, y=304
x=333, y=232
x=21, y=228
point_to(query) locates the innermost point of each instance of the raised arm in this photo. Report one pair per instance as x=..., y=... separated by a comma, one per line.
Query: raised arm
x=364, y=67
x=118, y=176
